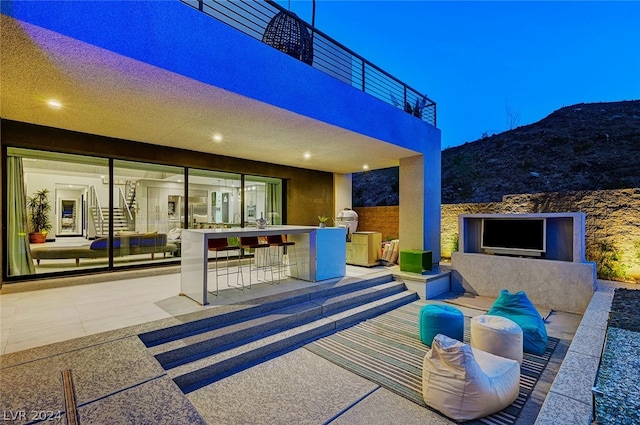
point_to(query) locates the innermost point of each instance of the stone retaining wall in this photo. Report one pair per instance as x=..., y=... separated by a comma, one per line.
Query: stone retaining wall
x=612, y=224
x=380, y=219
x=612, y=228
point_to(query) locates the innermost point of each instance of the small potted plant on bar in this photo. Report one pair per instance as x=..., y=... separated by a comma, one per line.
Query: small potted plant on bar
x=39, y=208
x=323, y=220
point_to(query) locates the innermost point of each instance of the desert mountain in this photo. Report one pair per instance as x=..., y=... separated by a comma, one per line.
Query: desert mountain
x=588, y=146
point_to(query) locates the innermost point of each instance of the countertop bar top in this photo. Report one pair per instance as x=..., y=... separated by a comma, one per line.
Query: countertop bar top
x=254, y=231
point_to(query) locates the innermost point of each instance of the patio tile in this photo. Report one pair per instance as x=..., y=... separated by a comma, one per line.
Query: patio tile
x=588, y=340
x=383, y=407
x=595, y=318
x=601, y=301
x=296, y=388
x=97, y=372
x=112, y=323
x=50, y=332
x=576, y=377
x=34, y=387
x=559, y=409
x=158, y=401
x=36, y=315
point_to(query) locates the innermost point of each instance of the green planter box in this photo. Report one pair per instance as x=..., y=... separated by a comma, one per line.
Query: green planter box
x=415, y=261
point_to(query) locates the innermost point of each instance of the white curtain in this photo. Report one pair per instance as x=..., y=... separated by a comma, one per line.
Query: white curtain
x=18, y=252
x=274, y=203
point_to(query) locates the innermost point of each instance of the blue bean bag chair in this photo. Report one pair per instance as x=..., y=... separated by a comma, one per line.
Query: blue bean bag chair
x=440, y=319
x=520, y=309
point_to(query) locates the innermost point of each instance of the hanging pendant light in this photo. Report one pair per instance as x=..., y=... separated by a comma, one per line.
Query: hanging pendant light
x=287, y=33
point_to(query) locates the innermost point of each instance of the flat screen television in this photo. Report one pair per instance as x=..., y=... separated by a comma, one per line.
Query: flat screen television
x=514, y=236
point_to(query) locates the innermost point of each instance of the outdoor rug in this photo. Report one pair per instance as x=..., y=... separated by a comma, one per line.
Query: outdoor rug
x=388, y=351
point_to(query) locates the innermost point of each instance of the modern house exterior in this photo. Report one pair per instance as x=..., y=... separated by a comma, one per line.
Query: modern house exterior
x=142, y=118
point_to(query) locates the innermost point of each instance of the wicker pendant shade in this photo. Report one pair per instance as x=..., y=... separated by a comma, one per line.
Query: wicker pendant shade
x=287, y=33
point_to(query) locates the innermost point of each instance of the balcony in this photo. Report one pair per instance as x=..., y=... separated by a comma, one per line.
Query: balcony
x=327, y=55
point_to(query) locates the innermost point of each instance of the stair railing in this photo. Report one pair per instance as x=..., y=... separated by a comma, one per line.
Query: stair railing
x=130, y=193
x=98, y=216
x=124, y=205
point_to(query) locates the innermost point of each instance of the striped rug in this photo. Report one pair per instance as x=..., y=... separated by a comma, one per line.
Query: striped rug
x=387, y=350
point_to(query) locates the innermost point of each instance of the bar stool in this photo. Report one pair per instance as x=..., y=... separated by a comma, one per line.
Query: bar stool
x=277, y=242
x=222, y=245
x=252, y=242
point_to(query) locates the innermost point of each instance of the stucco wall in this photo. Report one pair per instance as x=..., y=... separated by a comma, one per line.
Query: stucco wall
x=559, y=285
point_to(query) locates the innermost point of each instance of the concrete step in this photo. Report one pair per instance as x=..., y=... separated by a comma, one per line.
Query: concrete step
x=236, y=313
x=191, y=348
x=196, y=374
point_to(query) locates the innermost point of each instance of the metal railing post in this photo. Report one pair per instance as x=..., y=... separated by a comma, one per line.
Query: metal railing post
x=330, y=56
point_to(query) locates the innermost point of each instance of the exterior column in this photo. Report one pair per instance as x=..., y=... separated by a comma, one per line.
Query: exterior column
x=342, y=193
x=420, y=199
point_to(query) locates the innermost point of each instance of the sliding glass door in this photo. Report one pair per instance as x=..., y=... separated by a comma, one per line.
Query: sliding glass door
x=72, y=193
x=102, y=213
x=148, y=212
x=263, y=199
x=215, y=199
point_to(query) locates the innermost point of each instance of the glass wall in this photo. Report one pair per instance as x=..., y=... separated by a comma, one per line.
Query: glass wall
x=102, y=216
x=148, y=212
x=263, y=199
x=76, y=194
x=215, y=199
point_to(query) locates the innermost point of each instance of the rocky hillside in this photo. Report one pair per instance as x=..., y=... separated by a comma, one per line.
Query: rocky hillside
x=581, y=147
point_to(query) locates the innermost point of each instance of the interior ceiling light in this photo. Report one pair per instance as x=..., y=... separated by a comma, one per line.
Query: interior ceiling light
x=365, y=167
x=217, y=138
x=307, y=155
x=55, y=104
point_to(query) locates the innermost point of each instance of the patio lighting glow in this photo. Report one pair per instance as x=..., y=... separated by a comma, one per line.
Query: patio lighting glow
x=55, y=104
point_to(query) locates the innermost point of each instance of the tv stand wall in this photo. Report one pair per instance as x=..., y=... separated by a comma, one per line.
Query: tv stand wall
x=562, y=281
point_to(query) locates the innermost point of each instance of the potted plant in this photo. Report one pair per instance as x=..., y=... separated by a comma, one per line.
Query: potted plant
x=323, y=220
x=39, y=222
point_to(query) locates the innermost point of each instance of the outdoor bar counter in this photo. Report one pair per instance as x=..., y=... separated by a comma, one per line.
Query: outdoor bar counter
x=320, y=254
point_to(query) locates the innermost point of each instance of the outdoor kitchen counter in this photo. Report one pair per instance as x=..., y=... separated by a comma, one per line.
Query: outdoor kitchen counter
x=320, y=254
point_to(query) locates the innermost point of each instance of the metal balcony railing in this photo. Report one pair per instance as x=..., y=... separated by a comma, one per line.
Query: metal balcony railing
x=252, y=17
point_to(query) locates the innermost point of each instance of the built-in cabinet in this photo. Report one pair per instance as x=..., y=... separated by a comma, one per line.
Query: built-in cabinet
x=364, y=249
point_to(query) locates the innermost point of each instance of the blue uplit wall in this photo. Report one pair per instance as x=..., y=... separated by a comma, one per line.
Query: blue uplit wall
x=178, y=38
x=175, y=37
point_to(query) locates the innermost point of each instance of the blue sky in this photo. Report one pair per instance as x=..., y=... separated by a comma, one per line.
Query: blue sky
x=488, y=64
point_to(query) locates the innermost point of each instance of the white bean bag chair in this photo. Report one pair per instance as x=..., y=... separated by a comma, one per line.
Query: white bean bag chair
x=466, y=383
x=497, y=335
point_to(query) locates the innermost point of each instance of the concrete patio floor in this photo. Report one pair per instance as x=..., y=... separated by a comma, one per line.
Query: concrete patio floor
x=123, y=383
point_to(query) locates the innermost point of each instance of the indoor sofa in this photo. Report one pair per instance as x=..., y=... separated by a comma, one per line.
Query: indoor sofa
x=130, y=244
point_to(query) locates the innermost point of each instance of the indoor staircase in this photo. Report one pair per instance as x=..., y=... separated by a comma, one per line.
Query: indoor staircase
x=200, y=352
x=123, y=219
x=101, y=221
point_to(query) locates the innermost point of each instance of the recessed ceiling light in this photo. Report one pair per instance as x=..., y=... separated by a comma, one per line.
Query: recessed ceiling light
x=55, y=104
x=217, y=138
x=307, y=155
x=365, y=167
